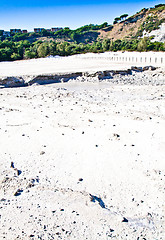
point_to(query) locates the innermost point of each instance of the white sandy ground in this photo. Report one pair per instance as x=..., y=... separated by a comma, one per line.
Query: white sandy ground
x=88, y=155
x=56, y=134
x=55, y=65
x=77, y=63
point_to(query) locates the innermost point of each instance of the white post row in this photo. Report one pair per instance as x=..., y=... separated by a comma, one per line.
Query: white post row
x=148, y=58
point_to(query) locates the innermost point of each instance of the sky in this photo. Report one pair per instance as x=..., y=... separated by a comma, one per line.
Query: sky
x=29, y=14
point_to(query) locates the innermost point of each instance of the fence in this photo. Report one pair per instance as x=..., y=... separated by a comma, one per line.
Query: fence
x=157, y=59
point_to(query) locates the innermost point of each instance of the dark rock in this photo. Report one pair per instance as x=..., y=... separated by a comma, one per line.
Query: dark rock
x=122, y=72
x=116, y=135
x=80, y=179
x=136, y=69
x=53, y=78
x=12, y=82
x=151, y=68
x=31, y=235
x=124, y=219
x=18, y=192
x=3, y=200
x=99, y=200
x=18, y=171
x=12, y=165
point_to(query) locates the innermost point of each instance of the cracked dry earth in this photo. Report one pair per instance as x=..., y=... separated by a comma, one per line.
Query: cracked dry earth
x=82, y=161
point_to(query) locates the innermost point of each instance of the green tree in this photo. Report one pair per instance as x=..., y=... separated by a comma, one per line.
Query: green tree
x=28, y=54
x=117, y=19
x=123, y=16
x=15, y=56
x=105, y=44
x=5, y=54
x=45, y=33
x=42, y=50
x=26, y=43
x=105, y=24
x=52, y=48
x=142, y=45
x=75, y=36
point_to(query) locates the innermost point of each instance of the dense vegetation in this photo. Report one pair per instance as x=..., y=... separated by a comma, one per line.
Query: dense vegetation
x=10, y=50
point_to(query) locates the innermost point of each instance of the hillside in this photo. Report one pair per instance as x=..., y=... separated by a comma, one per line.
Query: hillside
x=136, y=26
x=144, y=31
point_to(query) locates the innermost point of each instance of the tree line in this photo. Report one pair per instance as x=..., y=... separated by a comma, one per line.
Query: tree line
x=64, y=33
x=10, y=50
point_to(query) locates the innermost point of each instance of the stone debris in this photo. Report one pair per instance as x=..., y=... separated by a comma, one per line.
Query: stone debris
x=145, y=75
x=18, y=172
x=80, y=179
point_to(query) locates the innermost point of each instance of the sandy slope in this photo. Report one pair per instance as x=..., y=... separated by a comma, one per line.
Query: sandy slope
x=89, y=155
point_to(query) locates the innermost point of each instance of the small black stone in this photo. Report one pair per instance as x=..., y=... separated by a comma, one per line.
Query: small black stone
x=124, y=219
x=18, y=192
x=12, y=165
x=80, y=179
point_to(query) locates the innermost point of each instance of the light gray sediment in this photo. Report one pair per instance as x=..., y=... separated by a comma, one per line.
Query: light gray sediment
x=135, y=75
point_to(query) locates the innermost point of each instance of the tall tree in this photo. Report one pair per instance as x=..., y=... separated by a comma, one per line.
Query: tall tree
x=123, y=16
